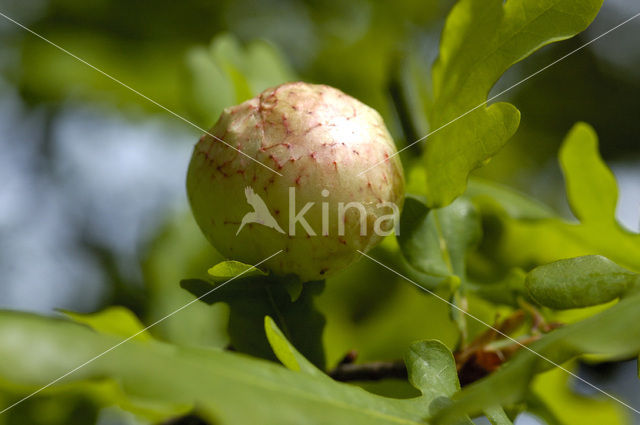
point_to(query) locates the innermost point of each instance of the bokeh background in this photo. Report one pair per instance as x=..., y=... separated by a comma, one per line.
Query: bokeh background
x=93, y=210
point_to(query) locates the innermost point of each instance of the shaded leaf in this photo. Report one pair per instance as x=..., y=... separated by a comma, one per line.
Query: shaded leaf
x=435, y=242
x=480, y=41
x=250, y=299
x=579, y=282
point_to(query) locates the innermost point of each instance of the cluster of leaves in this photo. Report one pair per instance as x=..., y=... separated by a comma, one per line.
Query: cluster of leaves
x=472, y=249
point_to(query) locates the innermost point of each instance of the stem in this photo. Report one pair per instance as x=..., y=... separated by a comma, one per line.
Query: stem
x=442, y=242
x=373, y=371
x=190, y=419
x=459, y=298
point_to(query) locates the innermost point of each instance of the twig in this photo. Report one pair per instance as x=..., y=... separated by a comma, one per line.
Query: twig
x=349, y=358
x=190, y=419
x=373, y=371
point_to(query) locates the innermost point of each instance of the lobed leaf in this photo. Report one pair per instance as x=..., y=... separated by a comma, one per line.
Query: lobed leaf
x=591, y=186
x=480, y=41
x=456, y=150
x=527, y=242
x=224, y=386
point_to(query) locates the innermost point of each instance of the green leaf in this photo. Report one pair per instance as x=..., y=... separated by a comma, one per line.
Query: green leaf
x=591, y=191
x=612, y=334
x=579, y=282
x=287, y=353
x=113, y=320
x=456, y=150
x=229, y=269
x=226, y=52
x=228, y=73
x=435, y=242
x=252, y=298
x=432, y=370
x=219, y=383
x=205, y=77
x=514, y=203
x=480, y=41
x=591, y=186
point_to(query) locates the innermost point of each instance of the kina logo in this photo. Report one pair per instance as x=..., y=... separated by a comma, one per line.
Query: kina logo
x=260, y=213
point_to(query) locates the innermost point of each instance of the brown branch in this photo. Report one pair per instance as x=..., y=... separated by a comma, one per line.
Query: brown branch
x=190, y=419
x=373, y=371
x=474, y=362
